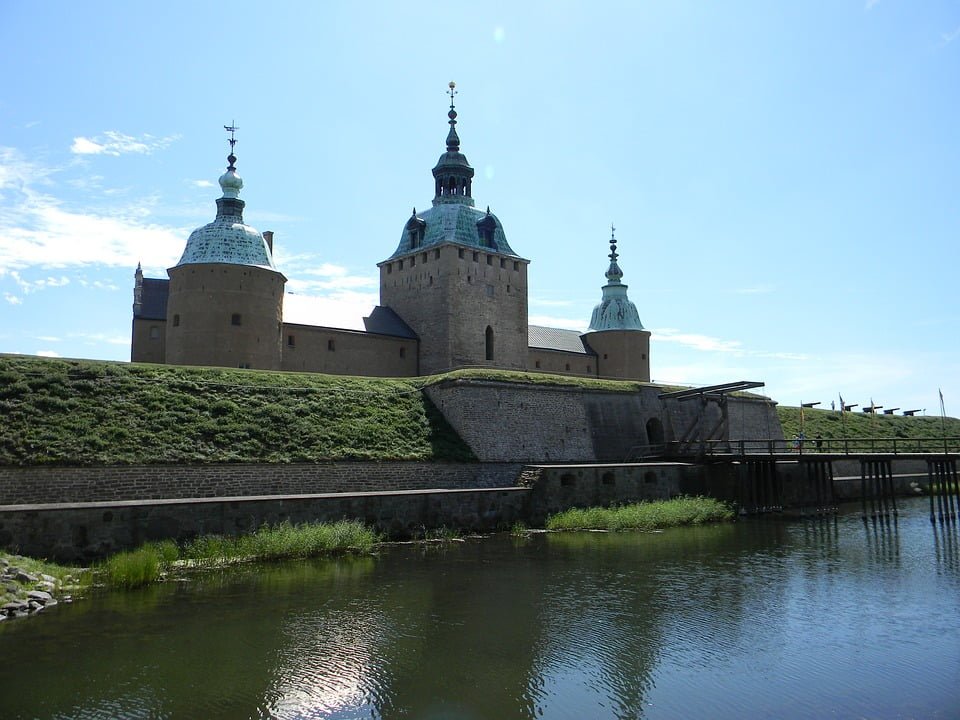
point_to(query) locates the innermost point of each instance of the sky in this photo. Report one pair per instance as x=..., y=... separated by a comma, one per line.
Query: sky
x=783, y=177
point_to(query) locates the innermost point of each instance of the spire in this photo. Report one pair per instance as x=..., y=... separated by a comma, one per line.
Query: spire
x=453, y=140
x=615, y=311
x=453, y=176
x=230, y=182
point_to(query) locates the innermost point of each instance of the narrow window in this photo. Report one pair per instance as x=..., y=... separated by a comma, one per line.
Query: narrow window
x=413, y=260
x=489, y=259
x=537, y=364
x=460, y=253
x=489, y=290
x=568, y=367
x=425, y=257
x=436, y=254
x=331, y=346
x=389, y=268
x=608, y=478
x=403, y=352
x=176, y=320
x=489, y=342
x=400, y=265
x=503, y=263
x=291, y=341
x=476, y=257
x=516, y=265
x=154, y=332
x=589, y=369
x=235, y=319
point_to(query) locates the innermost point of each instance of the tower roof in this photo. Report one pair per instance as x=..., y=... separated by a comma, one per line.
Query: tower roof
x=228, y=240
x=615, y=311
x=453, y=217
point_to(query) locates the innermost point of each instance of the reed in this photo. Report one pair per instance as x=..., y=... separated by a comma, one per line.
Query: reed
x=134, y=568
x=643, y=516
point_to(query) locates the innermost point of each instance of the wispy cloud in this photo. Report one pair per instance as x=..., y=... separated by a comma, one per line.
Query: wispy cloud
x=707, y=343
x=342, y=309
x=101, y=338
x=48, y=353
x=550, y=303
x=201, y=183
x=12, y=299
x=869, y=4
x=116, y=143
x=947, y=38
x=39, y=230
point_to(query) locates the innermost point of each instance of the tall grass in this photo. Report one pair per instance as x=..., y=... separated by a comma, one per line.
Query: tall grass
x=271, y=542
x=643, y=516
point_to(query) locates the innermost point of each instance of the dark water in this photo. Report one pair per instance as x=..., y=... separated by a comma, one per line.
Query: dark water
x=762, y=619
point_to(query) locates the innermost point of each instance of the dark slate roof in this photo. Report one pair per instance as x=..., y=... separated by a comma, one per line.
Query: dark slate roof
x=385, y=321
x=548, y=338
x=154, y=305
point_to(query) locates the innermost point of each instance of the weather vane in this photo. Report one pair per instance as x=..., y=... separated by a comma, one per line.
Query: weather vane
x=231, y=128
x=452, y=91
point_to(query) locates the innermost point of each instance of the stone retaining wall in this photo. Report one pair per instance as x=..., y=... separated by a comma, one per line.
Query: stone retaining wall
x=144, y=482
x=81, y=532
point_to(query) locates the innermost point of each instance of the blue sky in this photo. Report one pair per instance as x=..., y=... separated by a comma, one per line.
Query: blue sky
x=783, y=176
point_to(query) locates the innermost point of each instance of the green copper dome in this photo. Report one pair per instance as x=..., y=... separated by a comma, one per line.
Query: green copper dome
x=453, y=217
x=228, y=240
x=615, y=311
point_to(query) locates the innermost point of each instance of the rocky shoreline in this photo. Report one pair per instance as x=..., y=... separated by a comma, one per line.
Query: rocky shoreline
x=26, y=593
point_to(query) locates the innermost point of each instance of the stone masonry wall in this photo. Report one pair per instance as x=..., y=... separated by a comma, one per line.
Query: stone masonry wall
x=139, y=482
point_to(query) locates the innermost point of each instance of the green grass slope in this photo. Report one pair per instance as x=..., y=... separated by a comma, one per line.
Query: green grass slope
x=830, y=425
x=84, y=412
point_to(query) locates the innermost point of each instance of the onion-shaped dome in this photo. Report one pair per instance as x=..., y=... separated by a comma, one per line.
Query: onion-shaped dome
x=228, y=240
x=615, y=311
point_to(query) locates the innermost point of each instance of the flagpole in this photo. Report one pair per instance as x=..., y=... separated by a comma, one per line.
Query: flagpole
x=943, y=421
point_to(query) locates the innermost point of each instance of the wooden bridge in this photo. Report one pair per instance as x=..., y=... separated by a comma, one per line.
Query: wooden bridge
x=760, y=477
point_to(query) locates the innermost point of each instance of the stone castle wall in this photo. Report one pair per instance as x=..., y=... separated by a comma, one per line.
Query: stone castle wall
x=31, y=485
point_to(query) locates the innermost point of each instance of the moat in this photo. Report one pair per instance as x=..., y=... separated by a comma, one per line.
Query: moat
x=762, y=618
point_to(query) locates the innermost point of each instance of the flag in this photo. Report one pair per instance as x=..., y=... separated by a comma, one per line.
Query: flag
x=842, y=406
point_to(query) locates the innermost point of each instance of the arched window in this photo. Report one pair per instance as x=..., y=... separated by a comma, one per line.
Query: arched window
x=489, y=339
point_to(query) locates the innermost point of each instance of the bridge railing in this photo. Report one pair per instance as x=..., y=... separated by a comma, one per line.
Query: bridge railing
x=812, y=446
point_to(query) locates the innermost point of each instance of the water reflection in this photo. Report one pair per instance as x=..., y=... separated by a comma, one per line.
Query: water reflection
x=723, y=622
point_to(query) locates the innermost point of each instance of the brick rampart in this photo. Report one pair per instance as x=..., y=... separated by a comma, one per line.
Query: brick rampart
x=144, y=482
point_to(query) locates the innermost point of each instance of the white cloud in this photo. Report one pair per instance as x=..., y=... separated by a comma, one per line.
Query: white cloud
x=555, y=321
x=343, y=309
x=117, y=143
x=12, y=299
x=101, y=338
x=48, y=338
x=37, y=230
x=201, y=183
x=947, y=38
x=551, y=303
x=695, y=341
x=48, y=353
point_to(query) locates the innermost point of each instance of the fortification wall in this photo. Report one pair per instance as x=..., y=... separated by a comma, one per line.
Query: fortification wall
x=139, y=482
x=513, y=422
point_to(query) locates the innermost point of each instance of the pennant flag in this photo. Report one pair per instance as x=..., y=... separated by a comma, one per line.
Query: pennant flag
x=842, y=406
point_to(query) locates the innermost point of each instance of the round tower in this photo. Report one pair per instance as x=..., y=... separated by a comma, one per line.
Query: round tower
x=615, y=332
x=225, y=304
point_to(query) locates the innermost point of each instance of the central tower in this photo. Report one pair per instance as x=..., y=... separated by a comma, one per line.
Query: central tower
x=454, y=278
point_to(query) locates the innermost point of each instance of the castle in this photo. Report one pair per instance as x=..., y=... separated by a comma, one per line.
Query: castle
x=453, y=294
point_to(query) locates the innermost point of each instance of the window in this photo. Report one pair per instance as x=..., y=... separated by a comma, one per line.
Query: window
x=154, y=332
x=503, y=263
x=589, y=369
x=176, y=320
x=400, y=265
x=413, y=260
x=516, y=265
x=389, y=268
x=489, y=342
x=604, y=356
x=403, y=352
x=476, y=256
x=436, y=254
x=489, y=290
x=489, y=259
x=291, y=341
x=643, y=356
x=568, y=367
x=459, y=253
x=235, y=319
x=331, y=345
x=537, y=364
x=425, y=257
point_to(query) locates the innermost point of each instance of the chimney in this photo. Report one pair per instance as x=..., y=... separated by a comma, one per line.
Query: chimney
x=268, y=236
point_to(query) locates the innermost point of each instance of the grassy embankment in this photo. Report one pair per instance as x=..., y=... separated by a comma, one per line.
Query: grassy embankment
x=911, y=433
x=87, y=412
x=643, y=516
